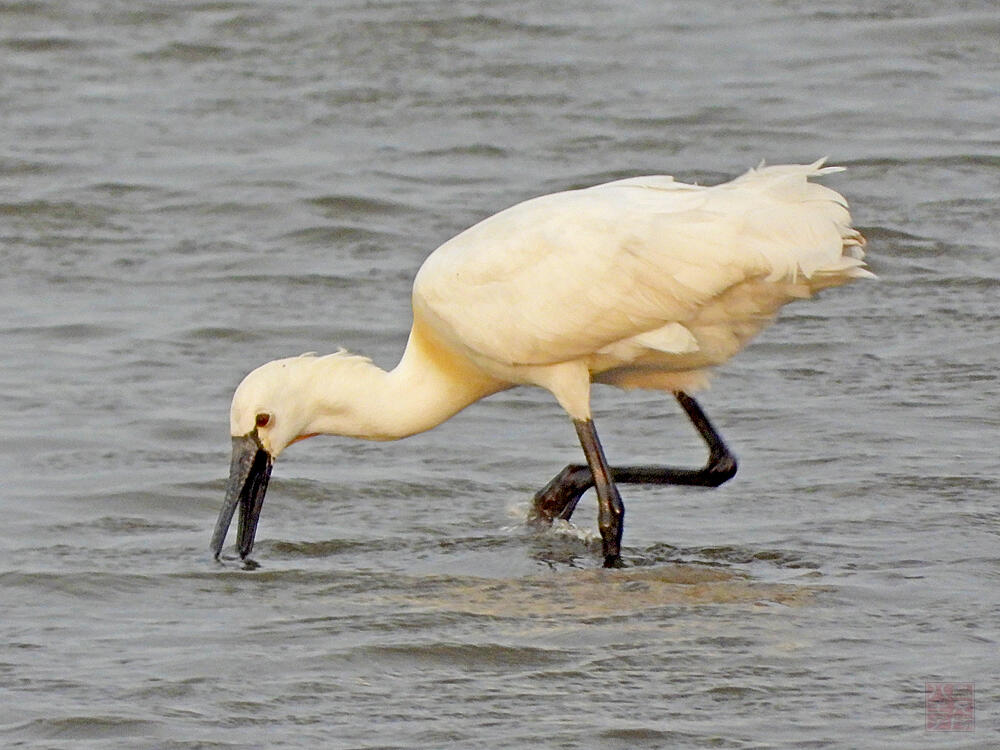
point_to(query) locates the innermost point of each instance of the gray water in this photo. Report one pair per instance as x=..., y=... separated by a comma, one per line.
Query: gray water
x=188, y=189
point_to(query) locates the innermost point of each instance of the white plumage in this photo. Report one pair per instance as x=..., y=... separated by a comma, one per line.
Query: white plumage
x=644, y=282
x=639, y=283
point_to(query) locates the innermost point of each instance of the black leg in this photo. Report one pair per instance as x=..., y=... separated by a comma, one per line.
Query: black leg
x=559, y=497
x=611, y=511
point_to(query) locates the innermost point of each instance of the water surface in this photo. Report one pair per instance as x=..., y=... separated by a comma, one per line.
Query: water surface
x=188, y=189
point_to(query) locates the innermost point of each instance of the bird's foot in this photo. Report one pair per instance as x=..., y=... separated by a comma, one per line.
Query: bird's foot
x=559, y=497
x=614, y=561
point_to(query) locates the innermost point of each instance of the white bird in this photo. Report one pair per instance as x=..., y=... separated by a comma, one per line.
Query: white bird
x=639, y=283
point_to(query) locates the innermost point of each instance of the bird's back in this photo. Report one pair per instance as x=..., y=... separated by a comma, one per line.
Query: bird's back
x=638, y=277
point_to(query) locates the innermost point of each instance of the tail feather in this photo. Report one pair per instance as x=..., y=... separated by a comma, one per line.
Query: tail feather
x=819, y=242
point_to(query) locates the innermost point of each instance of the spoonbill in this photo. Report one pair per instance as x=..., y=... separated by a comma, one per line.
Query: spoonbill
x=639, y=283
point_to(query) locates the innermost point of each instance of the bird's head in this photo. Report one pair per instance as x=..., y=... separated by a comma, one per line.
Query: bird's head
x=268, y=414
x=272, y=404
x=277, y=404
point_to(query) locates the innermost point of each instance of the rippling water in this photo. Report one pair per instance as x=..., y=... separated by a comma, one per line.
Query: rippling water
x=188, y=189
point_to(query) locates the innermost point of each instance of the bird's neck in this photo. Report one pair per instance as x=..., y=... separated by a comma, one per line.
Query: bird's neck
x=427, y=387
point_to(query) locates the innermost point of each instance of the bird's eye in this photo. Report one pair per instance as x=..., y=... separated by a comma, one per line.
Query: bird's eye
x=263, y=419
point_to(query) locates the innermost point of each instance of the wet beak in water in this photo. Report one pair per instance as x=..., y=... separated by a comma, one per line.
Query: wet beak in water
x=248, y=475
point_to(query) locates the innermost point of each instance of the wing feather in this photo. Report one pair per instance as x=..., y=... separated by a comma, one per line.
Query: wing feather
x=563, y=276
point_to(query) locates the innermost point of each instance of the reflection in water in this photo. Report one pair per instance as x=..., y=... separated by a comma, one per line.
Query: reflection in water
x=590, y=593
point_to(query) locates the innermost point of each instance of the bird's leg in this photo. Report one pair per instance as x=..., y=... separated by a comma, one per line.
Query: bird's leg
x=611, y=511
x=559, y=497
